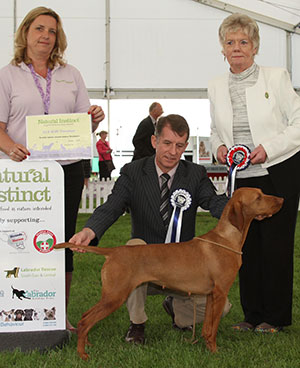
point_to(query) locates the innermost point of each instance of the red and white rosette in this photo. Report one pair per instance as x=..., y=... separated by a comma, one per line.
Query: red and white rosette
x=238, y=158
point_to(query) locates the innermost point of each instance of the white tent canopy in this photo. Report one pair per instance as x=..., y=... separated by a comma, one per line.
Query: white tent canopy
x=162, y=50
x=158, y=48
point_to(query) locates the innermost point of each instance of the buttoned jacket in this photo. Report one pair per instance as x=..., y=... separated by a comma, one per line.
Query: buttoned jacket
x=273, y=110
x=138, y=189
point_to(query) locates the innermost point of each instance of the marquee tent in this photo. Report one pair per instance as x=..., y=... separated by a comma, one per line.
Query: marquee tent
x=157, y=49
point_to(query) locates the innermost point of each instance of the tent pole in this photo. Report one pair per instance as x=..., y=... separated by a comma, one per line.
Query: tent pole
x=107, y=64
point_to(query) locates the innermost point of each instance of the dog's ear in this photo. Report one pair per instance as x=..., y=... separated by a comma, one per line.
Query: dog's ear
x=235, y=215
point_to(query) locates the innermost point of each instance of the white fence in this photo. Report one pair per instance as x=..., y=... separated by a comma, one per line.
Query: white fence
x=98, y=191
x=95, y=194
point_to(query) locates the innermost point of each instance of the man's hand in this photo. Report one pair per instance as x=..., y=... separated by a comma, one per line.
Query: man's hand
x=82, y=238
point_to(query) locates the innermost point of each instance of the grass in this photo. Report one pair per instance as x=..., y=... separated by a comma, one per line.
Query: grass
x=165, y=347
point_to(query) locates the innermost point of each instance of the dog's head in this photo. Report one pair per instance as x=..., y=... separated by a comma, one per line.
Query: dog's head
x=28, y=313
x=250, y=203
x=50, y=313
x=38, y=314
x=9, y=315
x=19, y=313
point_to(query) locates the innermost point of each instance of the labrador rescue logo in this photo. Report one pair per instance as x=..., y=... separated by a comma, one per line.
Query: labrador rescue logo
x=44, y=241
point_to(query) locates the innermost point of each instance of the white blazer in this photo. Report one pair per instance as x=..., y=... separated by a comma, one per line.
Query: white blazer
x=273, y=112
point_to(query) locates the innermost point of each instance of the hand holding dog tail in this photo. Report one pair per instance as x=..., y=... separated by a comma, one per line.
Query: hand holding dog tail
x=73, y=247
x=84, y=248
x=64, y=245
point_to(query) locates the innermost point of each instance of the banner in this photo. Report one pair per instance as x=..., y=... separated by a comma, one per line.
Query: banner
x=32, y=274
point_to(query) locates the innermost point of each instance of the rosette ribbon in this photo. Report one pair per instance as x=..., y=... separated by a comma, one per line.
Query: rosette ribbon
x=180, y=201
x=238, y=158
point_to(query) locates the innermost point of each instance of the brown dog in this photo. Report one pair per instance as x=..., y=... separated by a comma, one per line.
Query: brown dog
x=205, y=265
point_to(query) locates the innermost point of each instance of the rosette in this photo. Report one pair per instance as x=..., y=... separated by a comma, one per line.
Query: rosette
x=238, y=158
x=180, y=201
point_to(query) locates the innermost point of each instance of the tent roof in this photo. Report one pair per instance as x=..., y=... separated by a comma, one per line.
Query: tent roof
x=283, y=14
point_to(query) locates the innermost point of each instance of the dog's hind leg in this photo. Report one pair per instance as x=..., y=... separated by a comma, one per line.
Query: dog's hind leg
x=108, y=304
x=214, y=309
x=208, y=318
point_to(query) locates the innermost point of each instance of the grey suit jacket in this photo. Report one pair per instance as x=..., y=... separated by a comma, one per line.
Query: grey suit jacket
x=137, y=188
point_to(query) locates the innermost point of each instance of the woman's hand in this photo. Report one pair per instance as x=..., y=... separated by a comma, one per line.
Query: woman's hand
x=15, y=151
x=258, y=155
x=18, y=152
x=97, y=115
x=221, y=154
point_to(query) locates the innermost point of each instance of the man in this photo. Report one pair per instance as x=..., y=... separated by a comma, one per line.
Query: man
x=142, y=138
x=139, y=188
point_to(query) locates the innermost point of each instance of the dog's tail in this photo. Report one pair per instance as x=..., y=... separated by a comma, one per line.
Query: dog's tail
x=86, y=248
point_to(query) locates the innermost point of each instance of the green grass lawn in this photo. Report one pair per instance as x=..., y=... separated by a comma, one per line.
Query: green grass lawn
x=164, y=347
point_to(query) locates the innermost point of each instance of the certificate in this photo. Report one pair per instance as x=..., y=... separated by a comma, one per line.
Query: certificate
x=59, y=137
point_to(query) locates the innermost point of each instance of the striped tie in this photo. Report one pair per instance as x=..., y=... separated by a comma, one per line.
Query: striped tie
x=164, y=199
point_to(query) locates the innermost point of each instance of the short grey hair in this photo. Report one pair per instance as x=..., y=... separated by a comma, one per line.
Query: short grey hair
x=236, y=22
x=153, y=106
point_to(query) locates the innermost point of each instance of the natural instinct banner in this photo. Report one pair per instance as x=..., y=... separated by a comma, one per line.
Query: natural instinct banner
x=32, y=273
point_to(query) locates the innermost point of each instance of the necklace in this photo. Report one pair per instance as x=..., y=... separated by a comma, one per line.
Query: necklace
x=45, y=97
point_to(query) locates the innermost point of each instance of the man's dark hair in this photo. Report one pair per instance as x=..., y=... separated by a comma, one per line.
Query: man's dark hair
x=177, y=123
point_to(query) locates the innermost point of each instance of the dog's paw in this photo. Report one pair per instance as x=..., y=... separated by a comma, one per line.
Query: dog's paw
x=84, y=356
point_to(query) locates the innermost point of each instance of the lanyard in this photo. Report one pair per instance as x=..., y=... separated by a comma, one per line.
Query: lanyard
x=45, y=97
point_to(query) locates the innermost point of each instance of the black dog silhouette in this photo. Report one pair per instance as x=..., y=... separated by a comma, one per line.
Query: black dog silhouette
x=18, y=293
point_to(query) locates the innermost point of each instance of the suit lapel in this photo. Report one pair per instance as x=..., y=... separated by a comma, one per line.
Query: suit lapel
x=180, y=178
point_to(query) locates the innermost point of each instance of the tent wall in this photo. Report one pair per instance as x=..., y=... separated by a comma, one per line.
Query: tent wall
x=158, y=48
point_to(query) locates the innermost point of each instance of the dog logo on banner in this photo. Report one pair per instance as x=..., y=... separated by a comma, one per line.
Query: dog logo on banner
x=180, y=201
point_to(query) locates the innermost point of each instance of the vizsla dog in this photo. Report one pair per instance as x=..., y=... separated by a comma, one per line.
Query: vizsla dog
x=205, y=265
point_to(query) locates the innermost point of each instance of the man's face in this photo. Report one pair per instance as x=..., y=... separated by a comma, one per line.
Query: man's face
x=169, y=148
x=157, y=112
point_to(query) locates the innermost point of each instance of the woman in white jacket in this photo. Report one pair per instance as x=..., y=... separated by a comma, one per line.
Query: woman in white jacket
x=257, y=106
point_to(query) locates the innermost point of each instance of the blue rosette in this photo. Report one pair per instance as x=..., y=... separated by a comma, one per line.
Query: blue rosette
x=180, y=201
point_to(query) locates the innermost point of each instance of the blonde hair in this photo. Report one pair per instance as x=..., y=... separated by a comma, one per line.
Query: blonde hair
x=236, y=22
x=20, y=45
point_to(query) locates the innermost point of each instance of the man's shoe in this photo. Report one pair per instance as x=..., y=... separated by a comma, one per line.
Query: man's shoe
x=135, y=333
x=168, y=307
